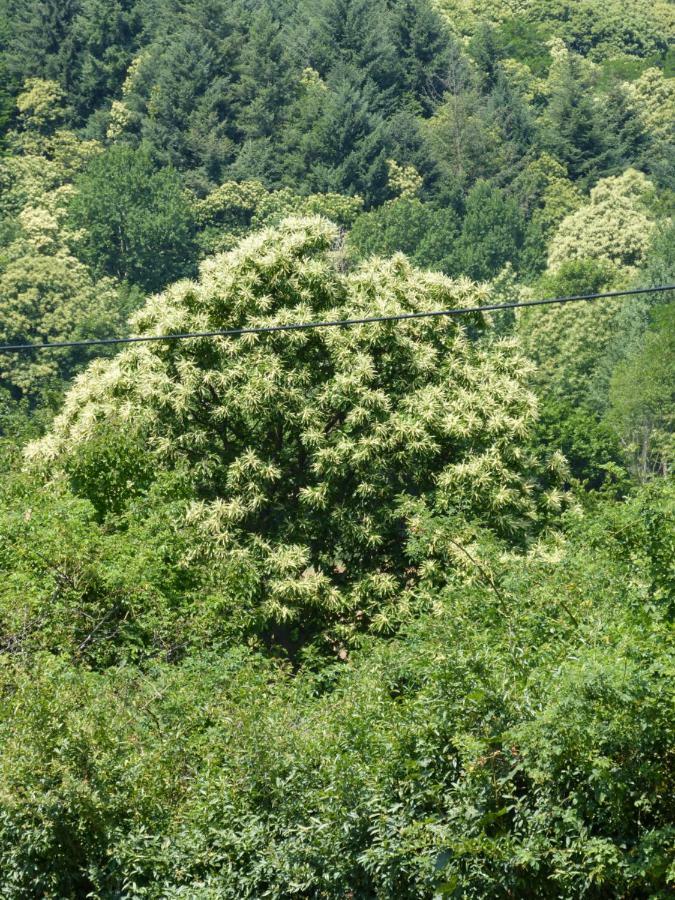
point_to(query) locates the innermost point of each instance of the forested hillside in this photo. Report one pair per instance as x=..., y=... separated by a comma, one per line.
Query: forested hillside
x=383, y=611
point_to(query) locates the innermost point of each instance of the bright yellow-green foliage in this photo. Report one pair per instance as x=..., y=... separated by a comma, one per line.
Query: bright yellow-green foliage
x=615, y=227
x=566, y=343
x=308, y=454
x=40, y=105
x=43, y=156
x=405, y=181
x=561, y=58
x=654, y=98
x=231, y=196
x=600, y=244
x=277, y=205
x=234, y=208
x=47, y=295
x=120, y=114
x=529, y=87
x=607, y=238
x=610, y=27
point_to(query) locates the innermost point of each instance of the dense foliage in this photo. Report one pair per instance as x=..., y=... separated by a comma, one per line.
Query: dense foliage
x=516, y=738
x=371, y=612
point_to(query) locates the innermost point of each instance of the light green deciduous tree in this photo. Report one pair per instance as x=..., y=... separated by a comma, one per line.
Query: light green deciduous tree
x=307, y=453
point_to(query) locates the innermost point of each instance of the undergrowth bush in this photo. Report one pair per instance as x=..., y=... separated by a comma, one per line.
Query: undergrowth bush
x=516, y=740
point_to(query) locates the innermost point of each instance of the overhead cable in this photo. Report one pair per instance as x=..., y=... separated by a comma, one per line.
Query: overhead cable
x=336, y=323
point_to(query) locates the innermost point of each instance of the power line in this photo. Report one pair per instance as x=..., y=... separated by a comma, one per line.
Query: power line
x=338, y=323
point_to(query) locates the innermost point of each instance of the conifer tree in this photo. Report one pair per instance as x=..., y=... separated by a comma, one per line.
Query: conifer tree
x=339, y=143
x=41, y=43
x=265, y=81
x=357, y=34
x=424, y=48
x=492, y=232
x=572, y=126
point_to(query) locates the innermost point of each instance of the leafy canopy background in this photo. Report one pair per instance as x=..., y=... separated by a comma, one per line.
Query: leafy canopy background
x=382, y=612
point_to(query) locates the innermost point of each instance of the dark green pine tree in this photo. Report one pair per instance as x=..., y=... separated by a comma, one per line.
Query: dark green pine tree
x=7, y=89
x=185, y=96
x=106, y=36
x=506, y=108
x=492, y=233
x=628, y=143
x=486, y=48
x=329, y=34
x=424, y=46
x=572, y=126
x=181, y=75
x=41, y=42
x=266, y=83
x=6, y=104
x=339, y=141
